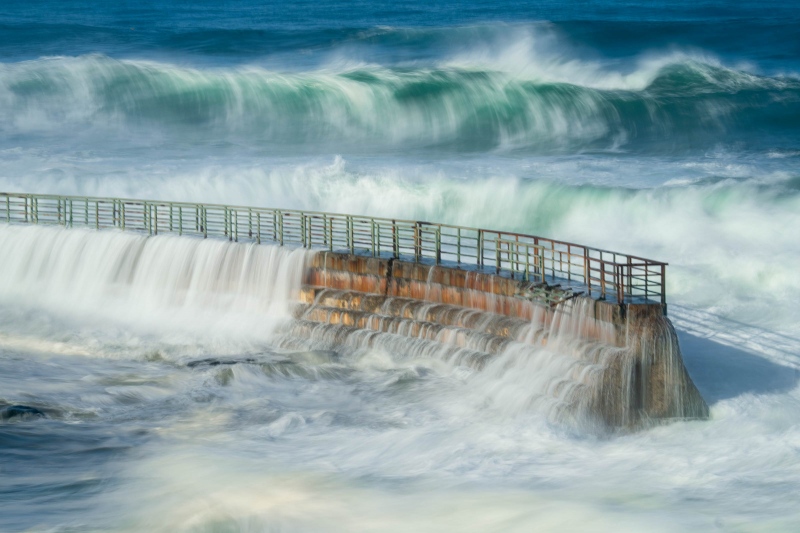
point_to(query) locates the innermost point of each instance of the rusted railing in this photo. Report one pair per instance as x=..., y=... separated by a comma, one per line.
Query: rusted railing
x=601, y=273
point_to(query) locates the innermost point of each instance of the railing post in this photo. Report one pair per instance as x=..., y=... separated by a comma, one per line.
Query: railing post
x=527, y=276
x=587, y=270
x=122, y=219
x=458, y=246
x=170, y=217
x=280, y=233
x=438, y=245
x=569, y=262
x=25, y=200
x=630, y=280
x=541, y=263
x=250, y=223
x=70, y=212
x=417, y=241
x=372, y=235
x=511, y=256
x=479, y=249
x=97, y=214
x=395, y=241
x=155, y=227
x=258, y=227
x=8, y=209
x=330, y=233
x=602, y=279
x=664, y=288
x=351, y=234
x=180, y=220
x=204, y=220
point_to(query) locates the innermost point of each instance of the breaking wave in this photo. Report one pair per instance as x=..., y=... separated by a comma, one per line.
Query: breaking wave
x=676, y=104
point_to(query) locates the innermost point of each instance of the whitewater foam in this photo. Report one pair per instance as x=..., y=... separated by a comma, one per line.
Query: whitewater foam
x=560, y=105
x=163, y=282
x=720, y=226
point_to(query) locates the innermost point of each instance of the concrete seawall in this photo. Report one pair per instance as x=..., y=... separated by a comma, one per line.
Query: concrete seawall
x=600, y=347
x=638, y=377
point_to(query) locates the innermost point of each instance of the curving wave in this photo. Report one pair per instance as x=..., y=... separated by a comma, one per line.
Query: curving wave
x=679, y=105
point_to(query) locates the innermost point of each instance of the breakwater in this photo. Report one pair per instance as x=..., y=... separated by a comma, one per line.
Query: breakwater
x=617, y=365
x=590, y=323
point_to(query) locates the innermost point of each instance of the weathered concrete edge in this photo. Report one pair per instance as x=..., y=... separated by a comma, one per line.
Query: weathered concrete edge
x=444, y=284
x=659, y=386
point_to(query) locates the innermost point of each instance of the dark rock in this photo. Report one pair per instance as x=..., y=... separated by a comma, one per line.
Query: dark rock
x=20, y=412
x=218, y=362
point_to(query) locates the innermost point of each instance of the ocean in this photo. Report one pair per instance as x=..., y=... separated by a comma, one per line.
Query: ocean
x=668, y=130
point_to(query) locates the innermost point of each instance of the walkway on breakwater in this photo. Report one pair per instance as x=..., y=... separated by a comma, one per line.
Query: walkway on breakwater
x=544, y=270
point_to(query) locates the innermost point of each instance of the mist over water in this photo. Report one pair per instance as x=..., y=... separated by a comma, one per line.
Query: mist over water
x=167, y=397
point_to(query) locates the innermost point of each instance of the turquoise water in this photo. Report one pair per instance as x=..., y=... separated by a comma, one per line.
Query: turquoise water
x=669, y=130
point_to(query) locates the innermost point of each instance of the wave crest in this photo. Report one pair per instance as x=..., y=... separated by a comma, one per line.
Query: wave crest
x=687, y=103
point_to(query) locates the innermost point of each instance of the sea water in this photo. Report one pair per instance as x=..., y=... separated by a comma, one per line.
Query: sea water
x=162, y=400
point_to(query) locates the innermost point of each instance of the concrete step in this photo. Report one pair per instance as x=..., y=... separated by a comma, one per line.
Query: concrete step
x=409, y=327
x=444, y=314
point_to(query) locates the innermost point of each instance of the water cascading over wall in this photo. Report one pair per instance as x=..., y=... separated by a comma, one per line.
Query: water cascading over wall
x=129, y=276
x=585, y=362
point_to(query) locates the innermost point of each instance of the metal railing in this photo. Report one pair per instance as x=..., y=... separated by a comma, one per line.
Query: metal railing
x=601, y=273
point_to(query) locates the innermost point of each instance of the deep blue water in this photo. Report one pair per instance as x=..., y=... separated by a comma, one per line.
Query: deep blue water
x=765, y=33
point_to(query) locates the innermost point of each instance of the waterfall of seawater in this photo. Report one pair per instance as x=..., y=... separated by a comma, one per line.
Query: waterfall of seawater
x=168, y=280
x=564, y=363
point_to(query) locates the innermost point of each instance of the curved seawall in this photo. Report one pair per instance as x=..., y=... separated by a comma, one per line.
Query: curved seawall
x=596, y=361
x=582, y=362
